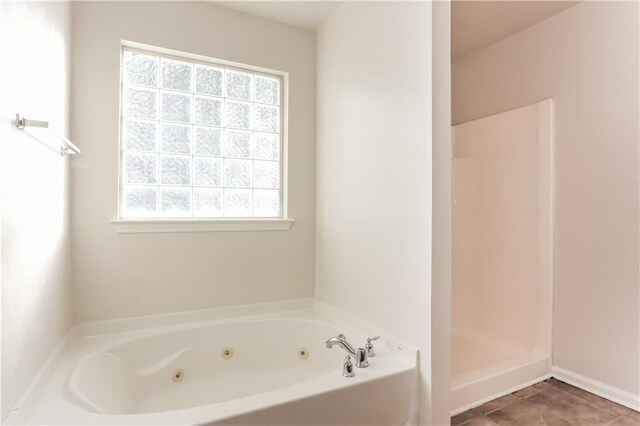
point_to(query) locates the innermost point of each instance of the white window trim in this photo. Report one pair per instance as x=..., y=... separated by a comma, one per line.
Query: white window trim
x=284, y=223
x=136, y=226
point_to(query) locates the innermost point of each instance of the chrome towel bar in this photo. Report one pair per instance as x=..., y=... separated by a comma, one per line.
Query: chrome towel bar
x=67, y=147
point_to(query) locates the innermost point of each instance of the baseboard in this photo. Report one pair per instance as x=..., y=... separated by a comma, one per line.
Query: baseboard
x=499, y=394
x=176, y=318
x=483, y=385
x=53, y=358
x=598, y=388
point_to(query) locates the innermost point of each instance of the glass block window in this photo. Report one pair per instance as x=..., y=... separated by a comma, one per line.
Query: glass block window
x=198, y=139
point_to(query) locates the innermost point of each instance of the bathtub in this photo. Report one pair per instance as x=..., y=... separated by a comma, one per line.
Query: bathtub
x=271, y=368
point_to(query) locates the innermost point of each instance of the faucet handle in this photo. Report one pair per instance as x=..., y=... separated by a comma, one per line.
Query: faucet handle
x=369, y=346
x=347, y=367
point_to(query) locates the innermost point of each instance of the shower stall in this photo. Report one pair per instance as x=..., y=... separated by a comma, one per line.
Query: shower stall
x=502, y=253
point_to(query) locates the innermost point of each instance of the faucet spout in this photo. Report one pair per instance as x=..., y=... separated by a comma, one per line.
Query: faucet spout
x=342, y=342
x=359, y=354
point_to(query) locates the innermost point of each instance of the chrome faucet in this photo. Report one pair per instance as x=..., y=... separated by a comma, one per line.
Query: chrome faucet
x=359, y=354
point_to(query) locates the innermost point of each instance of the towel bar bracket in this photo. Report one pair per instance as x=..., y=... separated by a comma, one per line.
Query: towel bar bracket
x=22, y=122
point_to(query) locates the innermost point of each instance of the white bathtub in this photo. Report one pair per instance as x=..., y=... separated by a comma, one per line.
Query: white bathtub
x=262, y=369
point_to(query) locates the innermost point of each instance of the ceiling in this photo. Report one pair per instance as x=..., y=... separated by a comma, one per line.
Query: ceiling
x=477, y=24
x=474, y=23
x=309, y=15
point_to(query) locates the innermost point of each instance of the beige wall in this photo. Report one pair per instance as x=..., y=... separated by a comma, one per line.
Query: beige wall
x=586, y=59
x=36, y=290
x=119, y=275
x=373, y=240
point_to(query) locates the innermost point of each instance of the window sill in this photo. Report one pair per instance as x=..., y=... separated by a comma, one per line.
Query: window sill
x=145, y=226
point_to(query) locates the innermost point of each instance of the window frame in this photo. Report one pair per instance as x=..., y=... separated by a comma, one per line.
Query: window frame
x=179, y=224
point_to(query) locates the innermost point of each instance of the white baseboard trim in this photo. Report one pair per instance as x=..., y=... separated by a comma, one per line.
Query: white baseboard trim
x=53, y=358
x=598, y=388
x=499, y=395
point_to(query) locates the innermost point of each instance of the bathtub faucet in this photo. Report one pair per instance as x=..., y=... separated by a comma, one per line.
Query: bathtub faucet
x=359, y=354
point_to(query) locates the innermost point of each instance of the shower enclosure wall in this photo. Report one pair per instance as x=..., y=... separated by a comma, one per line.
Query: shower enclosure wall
x=502, y=253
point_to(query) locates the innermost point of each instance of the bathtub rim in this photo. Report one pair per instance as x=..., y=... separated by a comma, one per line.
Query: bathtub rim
x=143, y=322
x=226, y=314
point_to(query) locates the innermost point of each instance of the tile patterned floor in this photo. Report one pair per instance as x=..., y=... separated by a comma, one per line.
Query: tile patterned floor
x=552, y=403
